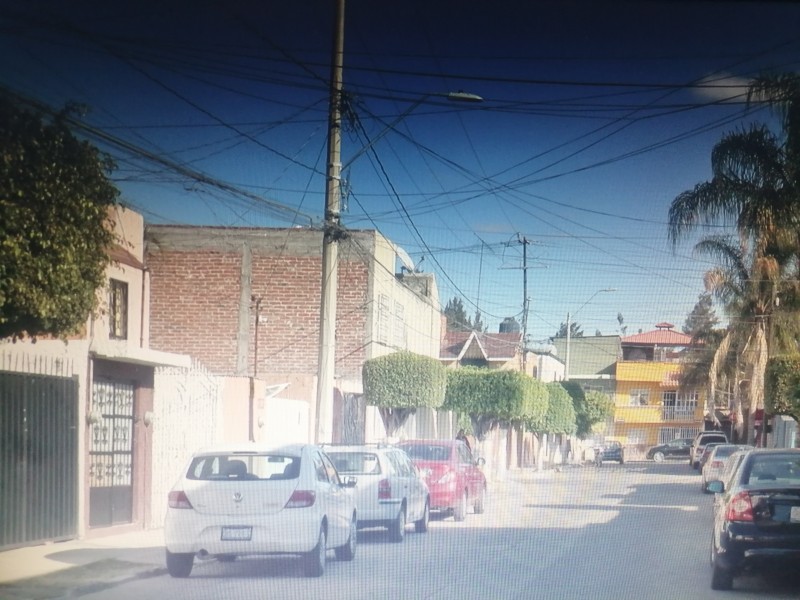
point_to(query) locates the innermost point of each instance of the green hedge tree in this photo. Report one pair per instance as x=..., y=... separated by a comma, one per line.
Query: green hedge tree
x=782, y=386
x=560, y=416
x=401, y=382
x=54, y=226
x=590, y=407
x=491, y=397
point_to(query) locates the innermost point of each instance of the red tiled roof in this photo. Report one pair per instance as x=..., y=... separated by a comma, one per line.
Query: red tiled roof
x=494, y=346
x=659, y=337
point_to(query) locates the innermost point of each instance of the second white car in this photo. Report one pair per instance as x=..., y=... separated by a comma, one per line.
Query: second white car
x=390, y=493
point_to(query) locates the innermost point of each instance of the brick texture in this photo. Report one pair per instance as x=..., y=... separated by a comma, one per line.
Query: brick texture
x=195, y=310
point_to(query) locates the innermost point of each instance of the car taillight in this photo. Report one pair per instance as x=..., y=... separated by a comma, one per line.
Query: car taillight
x=384, y=489
x=740, y=508
x=179, y=500
x=301, y=499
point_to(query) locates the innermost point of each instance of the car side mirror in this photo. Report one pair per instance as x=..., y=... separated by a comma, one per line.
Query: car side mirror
x=715, y=487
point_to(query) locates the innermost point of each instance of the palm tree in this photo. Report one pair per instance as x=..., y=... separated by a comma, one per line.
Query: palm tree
x=754, y=188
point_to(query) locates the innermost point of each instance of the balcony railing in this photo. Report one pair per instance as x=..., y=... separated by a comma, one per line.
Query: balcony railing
x=672, y=413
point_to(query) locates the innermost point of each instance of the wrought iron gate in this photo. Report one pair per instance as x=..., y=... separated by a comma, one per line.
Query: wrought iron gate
x=111, y=453
x=38, y=458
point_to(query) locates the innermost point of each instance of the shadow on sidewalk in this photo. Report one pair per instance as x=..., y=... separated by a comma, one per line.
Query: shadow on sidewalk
x=93, y=573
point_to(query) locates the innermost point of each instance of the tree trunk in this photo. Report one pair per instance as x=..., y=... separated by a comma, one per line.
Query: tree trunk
x=394, y=418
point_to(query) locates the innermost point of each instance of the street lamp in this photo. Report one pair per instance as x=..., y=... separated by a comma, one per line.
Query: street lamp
x=459, y=96
x=332, y=230
x=569, y=333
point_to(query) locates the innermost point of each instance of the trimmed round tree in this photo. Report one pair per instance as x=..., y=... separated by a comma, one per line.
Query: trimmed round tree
x=590, y=407
x=399, y=383
x=490, y=397
x=560, y=417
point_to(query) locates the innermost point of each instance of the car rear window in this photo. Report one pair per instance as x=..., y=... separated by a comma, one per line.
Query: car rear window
x=712, y=439
x=723, y=451
x=356, y=463
x=244, y=467
x=780, y=469
x=427, y=451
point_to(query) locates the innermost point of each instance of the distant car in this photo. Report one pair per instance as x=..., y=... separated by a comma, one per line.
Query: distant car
x=245, y=499
x=757, y=518
x=612, y=450
x=454, y=478
x=390, y=493
x=699, y=445
x=714, y=466
x=706, y=454
x=677, y=448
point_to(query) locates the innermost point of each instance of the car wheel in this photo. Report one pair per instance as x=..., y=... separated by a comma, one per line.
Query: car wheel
x=348, y=551
x=226, y=557
x=397, y=528
x=721, y=579
x=421, y=526
x=658, y=457
x=314, y=561
x=460, y=510
x=479, y=506
x=179, y=565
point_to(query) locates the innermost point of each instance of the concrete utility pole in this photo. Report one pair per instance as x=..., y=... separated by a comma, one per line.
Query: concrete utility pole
x=524, y=241
x=330, y=240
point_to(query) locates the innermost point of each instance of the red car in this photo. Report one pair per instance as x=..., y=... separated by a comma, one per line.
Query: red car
x=454, y=478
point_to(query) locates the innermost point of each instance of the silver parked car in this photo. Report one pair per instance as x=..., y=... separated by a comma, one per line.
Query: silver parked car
x=715, y=465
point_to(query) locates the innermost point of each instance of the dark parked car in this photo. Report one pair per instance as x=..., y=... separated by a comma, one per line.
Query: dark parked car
x=613, y=450
x=757, y=517
x=677, y=448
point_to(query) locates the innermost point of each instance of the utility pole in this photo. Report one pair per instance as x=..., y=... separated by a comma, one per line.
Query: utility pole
x=569, y=336
x=524, y=241
x=330, y=240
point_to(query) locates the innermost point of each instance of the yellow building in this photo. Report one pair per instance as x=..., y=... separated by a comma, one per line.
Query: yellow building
x=649, y=407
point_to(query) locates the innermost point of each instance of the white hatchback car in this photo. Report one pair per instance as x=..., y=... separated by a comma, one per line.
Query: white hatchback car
x=390, y=493
x=240, y=500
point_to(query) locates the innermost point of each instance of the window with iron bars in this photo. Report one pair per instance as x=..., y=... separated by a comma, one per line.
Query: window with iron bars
x=118, y=310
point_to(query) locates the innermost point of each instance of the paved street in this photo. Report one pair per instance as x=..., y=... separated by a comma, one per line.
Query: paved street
x=633, y=531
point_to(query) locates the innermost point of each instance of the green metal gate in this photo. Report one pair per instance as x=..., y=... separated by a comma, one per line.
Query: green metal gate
x=38, y=458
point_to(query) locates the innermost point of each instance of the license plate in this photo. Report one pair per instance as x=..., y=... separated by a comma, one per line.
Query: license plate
x=794, y=515
x=236, y=534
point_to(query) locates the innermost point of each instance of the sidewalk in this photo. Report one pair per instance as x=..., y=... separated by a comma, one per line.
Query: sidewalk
x=75, y=567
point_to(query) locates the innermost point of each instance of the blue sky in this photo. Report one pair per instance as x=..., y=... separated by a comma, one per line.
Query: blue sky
x=595, y=116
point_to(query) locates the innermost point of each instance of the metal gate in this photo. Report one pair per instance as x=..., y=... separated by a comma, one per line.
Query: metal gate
x=38, y=458
x=111, y=453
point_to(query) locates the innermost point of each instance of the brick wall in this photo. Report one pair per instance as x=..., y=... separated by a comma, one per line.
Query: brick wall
x=194, y=304
x=290, y=291
x=196, y=296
